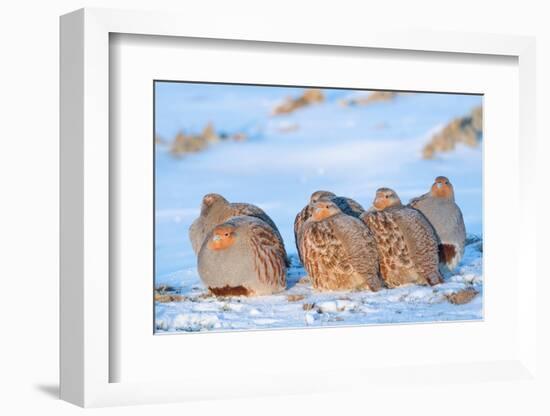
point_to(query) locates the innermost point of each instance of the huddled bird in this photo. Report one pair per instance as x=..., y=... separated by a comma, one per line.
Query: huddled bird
x=441, y=210
x=347, y=205
x=406, y=242
x=338, y=250
x=242, y=256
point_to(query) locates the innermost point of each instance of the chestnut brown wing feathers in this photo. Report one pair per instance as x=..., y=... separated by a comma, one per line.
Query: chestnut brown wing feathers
x=416, y=229
x=360, y=247
x=269, y=254
x=421, y=241
x=391, y=244
x=324, y=255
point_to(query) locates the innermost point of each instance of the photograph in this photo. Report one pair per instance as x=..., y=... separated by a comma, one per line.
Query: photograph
x=281, y=207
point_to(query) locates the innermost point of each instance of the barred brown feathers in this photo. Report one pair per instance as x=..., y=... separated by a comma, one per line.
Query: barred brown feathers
x=339, y=252
x=406, y=242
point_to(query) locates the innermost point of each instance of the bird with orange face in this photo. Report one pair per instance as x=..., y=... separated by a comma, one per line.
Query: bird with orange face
x=440, y=208
x=242, y=256
x=347, y=205
x=338, y=250
x=406, y=242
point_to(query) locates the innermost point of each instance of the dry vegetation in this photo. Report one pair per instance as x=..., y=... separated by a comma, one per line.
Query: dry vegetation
x=465, y=130
x=309, y=97
x=373, y=97
x=169, y=298
x=184, y=143
x=463, y=296
x=165, y=294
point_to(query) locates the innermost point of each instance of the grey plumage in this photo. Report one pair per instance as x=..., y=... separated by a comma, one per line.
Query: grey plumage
x=441, y=210
x=251, y=259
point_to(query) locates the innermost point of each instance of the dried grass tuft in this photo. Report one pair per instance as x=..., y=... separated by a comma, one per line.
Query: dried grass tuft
x=165, y=298
x=466, y=130
x=463, y=296
x=373, y=97
x=184, y=143
x=295, y=298
x=309, y=97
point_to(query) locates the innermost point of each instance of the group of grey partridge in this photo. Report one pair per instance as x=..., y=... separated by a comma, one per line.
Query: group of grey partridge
x=341, y=245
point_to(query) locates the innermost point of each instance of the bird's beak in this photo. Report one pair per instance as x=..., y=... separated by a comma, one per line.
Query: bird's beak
x=320, y=213
x=439, y=185
x=317, y=212
x=216, y=238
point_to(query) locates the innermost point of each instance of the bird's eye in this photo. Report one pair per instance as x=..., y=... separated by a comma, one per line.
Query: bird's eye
x=387, y=196
x=226, y=234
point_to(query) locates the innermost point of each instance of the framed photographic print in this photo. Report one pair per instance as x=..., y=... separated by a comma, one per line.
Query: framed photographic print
x=246, y=215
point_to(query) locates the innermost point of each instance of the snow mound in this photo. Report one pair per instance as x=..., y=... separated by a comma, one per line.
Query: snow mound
x=188, y=322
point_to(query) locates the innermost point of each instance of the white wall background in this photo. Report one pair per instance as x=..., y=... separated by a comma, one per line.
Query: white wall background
x=29, y=57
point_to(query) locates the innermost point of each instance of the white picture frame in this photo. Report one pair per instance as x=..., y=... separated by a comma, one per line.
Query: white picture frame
x=86, y=304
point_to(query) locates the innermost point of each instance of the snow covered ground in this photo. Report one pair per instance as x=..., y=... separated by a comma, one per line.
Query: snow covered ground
x=351, y=151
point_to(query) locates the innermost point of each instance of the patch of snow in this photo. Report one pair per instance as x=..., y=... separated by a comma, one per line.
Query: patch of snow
x=188, y=322
x=309, y=318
